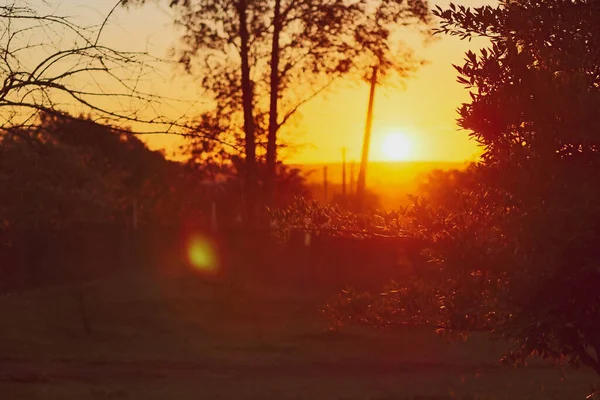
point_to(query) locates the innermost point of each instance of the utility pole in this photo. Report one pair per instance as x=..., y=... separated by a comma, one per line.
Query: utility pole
x=344, y=173
x=325, y=184
x=361, y=184
x=351, y=178
x=133, y=240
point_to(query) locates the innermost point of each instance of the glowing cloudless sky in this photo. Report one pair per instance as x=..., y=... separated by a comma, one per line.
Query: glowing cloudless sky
x=422, y=109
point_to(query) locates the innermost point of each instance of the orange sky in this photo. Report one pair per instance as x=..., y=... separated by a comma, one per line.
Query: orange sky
x=424, y=110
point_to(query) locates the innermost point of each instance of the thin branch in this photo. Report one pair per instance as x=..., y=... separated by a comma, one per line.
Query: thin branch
x=105, y=21
x=291, y=112
x=35, y=88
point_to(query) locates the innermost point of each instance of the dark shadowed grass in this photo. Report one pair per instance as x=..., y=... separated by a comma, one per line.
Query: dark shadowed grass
x=177, y=337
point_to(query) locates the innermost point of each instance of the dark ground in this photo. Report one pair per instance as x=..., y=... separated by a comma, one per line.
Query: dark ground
x=177, y=337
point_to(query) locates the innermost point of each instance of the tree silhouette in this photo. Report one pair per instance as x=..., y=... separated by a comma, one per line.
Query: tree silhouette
x=535, y=105
x=511, y=245
x=262, y=60
x=71, y=171
x=71, y=179
x=50, y=64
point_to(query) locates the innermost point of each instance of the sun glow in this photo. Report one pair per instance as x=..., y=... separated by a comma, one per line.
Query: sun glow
x=397, y=146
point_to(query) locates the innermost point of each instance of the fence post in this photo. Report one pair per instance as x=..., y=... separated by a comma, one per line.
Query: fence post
x=133, y=238
x=325, y=185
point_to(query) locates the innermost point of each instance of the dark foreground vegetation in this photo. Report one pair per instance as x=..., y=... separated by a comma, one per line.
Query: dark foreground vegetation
x=511, y=243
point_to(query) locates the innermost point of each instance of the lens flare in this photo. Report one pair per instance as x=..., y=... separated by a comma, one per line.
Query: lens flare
x=202, y=254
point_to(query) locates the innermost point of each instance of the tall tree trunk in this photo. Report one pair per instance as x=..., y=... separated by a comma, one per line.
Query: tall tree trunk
x=247, y=100
x=274, y=96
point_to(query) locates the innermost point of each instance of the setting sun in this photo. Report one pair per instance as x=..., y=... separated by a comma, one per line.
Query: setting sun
x=397, y=146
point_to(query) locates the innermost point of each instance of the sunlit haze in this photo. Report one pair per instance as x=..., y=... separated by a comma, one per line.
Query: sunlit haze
x=424, y=105
x=397, y=146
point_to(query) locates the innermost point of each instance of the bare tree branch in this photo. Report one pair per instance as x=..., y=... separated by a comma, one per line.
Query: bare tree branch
x=302, y=102
x=50, y=64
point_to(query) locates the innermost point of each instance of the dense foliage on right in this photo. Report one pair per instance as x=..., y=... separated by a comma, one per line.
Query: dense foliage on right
x=512, y=243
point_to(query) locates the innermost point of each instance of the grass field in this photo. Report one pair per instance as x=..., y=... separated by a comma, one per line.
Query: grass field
x=176, y=337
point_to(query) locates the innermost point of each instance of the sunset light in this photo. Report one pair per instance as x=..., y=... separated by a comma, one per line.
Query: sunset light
x=251, y=199
x=397, y=146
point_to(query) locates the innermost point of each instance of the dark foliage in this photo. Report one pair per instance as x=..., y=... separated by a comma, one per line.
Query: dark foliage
x=68, y=174
x=511, y=243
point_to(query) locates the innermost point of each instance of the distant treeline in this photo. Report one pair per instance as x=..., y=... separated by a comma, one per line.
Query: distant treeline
x=69, y=175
